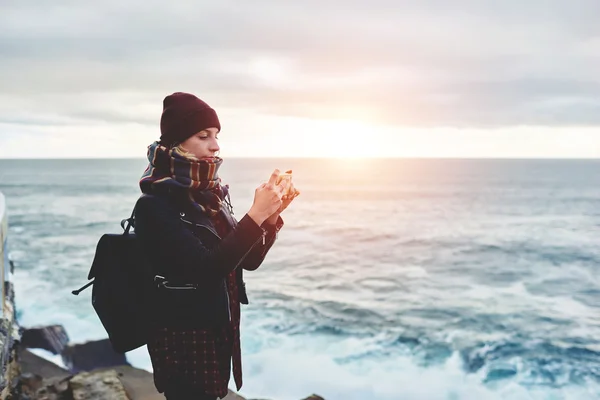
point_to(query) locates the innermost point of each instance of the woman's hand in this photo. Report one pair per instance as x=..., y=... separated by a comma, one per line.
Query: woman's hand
x=287, y=199
x=267, y=199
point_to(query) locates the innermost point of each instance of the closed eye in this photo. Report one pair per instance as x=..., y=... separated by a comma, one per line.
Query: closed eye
x=206, y=137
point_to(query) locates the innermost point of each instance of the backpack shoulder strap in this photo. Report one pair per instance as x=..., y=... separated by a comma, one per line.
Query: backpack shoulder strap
x=127, y=223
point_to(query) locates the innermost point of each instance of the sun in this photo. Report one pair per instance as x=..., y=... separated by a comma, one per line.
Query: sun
x=347, y=139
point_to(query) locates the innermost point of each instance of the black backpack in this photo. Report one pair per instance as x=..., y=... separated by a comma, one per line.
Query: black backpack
x=122, y=288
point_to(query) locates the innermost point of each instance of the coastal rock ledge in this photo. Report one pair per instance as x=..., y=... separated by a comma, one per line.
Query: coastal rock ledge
x=40, y=379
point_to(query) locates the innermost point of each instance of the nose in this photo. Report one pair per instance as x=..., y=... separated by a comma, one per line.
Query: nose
x=214, y=146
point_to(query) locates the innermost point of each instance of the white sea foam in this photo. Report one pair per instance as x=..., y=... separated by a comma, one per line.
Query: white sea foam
x=293, y=371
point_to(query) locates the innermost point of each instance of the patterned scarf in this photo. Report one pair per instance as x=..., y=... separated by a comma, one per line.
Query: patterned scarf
x=173, y=168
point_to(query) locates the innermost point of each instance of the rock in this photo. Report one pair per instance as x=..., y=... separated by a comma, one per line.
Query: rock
x=57, y=391
x=9, y=301
x=233, y=396
x=28, y=384
x=10, y=369
x=103, y=385
x=311, y=397
x=52, y=338
x=138, y=383
x=92, y=355
x=33, y=364
x=39, y=378
x=34, y=387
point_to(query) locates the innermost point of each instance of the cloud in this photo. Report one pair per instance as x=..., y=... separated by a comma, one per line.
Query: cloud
x=465, y=63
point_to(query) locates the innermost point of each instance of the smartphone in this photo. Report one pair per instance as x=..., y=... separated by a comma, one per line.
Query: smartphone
x=287, y=177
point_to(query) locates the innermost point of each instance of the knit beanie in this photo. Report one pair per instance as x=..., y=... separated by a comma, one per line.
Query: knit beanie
x=184, y=115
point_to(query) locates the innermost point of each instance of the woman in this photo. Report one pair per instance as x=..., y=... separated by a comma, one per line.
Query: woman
x=198, y=250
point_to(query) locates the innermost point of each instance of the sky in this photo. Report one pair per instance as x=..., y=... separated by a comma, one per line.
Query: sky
x=337, y=78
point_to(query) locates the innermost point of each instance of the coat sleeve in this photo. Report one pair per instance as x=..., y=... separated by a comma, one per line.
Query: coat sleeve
x=259, y=252
x=173, y=248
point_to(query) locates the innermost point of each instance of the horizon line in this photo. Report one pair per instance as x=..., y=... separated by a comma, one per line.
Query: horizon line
x=316, y=158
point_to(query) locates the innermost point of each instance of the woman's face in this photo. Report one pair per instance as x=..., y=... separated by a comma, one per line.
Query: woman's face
x=203, y=144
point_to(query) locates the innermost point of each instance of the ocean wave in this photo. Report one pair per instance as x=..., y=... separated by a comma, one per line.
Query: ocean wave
x=556, y=255
x=353, y=369
x=538, y=362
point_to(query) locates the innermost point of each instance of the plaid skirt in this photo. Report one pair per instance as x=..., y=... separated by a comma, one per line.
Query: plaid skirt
x=199, y=359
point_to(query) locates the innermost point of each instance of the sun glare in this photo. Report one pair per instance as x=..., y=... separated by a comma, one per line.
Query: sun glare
x=318, y=138
x=347, y=139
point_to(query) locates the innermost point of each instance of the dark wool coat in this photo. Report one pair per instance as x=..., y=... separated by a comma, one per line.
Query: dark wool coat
x=192, y=337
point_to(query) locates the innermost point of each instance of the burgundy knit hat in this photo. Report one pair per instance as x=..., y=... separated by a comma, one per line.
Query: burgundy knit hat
x=184, y=115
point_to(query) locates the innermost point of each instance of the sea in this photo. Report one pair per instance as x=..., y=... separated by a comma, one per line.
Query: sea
x=416, y=279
